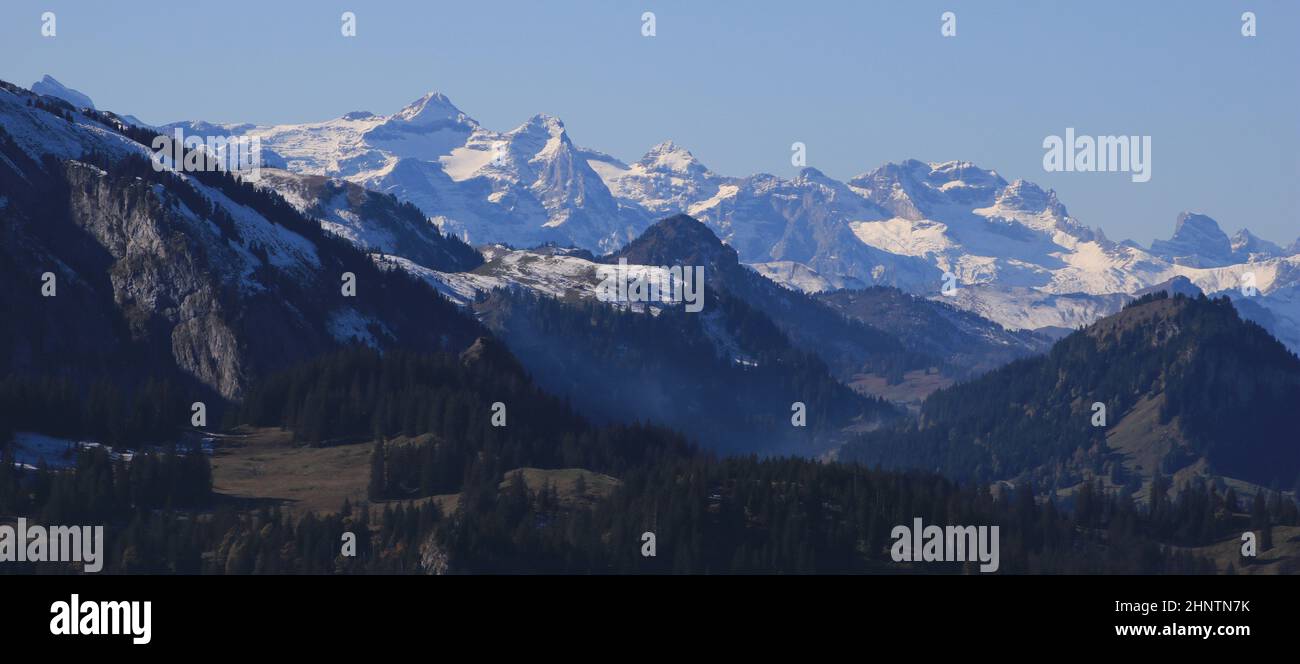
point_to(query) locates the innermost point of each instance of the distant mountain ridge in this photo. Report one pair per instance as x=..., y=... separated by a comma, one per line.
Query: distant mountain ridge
x=1189, y=389
x=900, y=351
x=49, y=86
x=1013, y=248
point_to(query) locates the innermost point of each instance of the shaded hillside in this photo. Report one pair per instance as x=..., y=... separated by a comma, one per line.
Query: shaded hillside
x=373, y=221
x=727, y=374
x=170, y=288
x=1216, y=390
x=848, y=347
x=966, y=343
x=360, y=395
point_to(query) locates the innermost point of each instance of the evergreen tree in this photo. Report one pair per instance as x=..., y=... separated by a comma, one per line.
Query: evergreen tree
x=377, y=489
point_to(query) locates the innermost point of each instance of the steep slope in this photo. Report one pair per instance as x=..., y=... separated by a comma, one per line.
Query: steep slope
x=1188, y=386
x=196, y=277
x=372, y=221
x=1247, y=247
x=51, y=87
x=967, y=343
x=847, y=346
x=880, y=353
x=1197, y=242
x=726, y=374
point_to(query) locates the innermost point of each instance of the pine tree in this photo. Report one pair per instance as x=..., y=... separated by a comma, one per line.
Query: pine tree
x=378, y=488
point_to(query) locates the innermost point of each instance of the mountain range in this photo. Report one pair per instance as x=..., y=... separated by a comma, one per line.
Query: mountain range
x=211, y=284
x=1172, y=385
x=812, y=284
x=1011, y=249
x=197, y=277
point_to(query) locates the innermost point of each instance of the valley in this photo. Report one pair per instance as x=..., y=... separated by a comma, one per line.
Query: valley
x=476, y=259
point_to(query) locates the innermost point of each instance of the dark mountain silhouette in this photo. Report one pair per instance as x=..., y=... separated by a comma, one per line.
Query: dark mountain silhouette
x=848, y=347
x=730, y=373
x=965, y=343
x=1189, y=389
x=185, y=288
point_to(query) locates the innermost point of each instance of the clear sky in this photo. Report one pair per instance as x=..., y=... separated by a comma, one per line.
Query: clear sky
x=859, y=82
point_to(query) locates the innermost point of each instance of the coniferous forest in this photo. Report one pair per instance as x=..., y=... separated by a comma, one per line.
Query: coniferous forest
x=709, y=514
x=517, y=432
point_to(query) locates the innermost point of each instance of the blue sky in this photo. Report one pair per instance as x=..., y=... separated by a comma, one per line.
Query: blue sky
x=860, y=83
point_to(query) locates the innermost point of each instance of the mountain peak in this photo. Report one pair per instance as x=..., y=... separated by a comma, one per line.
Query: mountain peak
x=810, y=173
x=1027, y=196
x=1187, y=387
x=432, y=108
x=912, y=189
x=540, y=136
x=671, y=157
x=545, y=122
x=1197, y=242
x=686, y=227
x=664, y=147
x=677, y=240
x=937, y=174
x=1196, y=222
x=1248, y=246
x=1179, y=285
x=51, y=87
x=966, y=174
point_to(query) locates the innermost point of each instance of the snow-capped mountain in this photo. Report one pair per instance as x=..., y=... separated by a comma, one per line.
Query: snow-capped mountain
x=194, y=276
x=895, y=345
x=1017, y=255
x=50, y=87
x=1197, y=242
x=666, y=180
x=370, y=220
x=1246, y=247
x=1011, y=249
x=526, y=186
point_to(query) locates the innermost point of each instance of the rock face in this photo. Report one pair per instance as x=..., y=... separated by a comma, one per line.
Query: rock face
x=50, y=87
x=1246, y=247
x=1197, y=242
x=197, y=278
x=157, y=279
x=433, y=557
